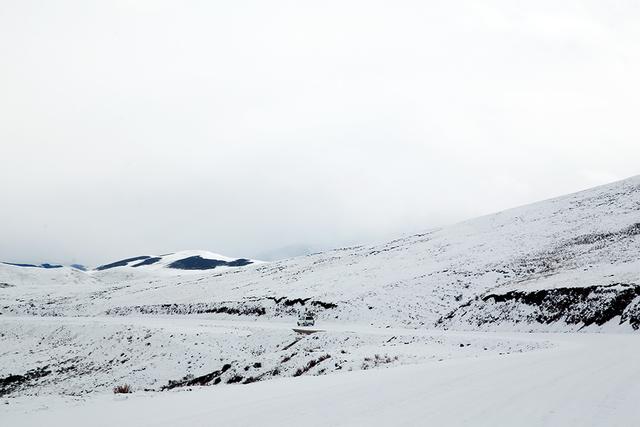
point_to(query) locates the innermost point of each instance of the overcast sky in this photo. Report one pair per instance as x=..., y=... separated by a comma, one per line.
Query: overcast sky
x=243, y=127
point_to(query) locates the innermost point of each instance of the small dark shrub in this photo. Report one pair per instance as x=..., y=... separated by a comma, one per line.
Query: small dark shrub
x=122, y=389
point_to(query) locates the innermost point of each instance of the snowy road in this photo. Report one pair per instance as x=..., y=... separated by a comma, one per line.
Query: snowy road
x=585, y=380
x=206, y=323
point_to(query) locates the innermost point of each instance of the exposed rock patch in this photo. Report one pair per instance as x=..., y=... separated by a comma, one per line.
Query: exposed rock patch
x=582, y=306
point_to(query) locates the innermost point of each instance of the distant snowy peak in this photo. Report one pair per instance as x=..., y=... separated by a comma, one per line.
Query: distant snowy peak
x=183, y=260
x=15, y=274
x=145, y=266
x=44, y=265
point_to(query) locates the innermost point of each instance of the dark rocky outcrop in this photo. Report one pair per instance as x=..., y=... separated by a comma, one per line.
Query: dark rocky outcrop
x=122, y=263
x=581, y=306
x=249, y=307
x=45, y=265
x=239, y=309
x=198, y=263
x=147, y=261
x=206, y=379
x=12, y=382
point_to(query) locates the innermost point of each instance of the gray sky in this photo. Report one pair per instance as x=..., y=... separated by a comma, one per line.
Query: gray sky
x=242, y=127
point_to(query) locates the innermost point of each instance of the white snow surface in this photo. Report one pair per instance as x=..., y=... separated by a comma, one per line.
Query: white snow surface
x=583, y=380
x=68, y=337
x=24, y=277
x=92, y=354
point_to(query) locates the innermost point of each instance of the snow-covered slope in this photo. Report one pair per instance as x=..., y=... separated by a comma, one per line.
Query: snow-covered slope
x=562, y=264
x=32, y=286
x=25, y=276
x=588, y=239
x=585, y=239
x=13, y=274
x=81, y=355
x=29, y=286
x=586, y=380
x=183, y=260
x=177, y=263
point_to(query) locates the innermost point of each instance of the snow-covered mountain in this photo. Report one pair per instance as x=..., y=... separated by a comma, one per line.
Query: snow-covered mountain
x=184, y=260
x=464, y=275
x=148, y=267
x=561, y=264
x=29, y=285
x=176, y=263
x=25, y=275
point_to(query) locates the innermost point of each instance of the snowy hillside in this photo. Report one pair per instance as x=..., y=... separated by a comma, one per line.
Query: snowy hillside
x=23, y=276
x=586, y=380
x=184, y=260
x=174, y=264
x=194, y=318
x=584, y=240
x=28, y=285
x=134, y=267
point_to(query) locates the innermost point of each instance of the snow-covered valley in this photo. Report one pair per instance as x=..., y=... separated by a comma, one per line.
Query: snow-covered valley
x=581, y=380
x=77, y=356
x=460, y=309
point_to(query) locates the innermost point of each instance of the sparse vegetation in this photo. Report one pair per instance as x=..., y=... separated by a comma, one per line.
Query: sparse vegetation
x=313, y=362
x=235, y=379
x=287, y=358
x=122, y=389
x=377, y=360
